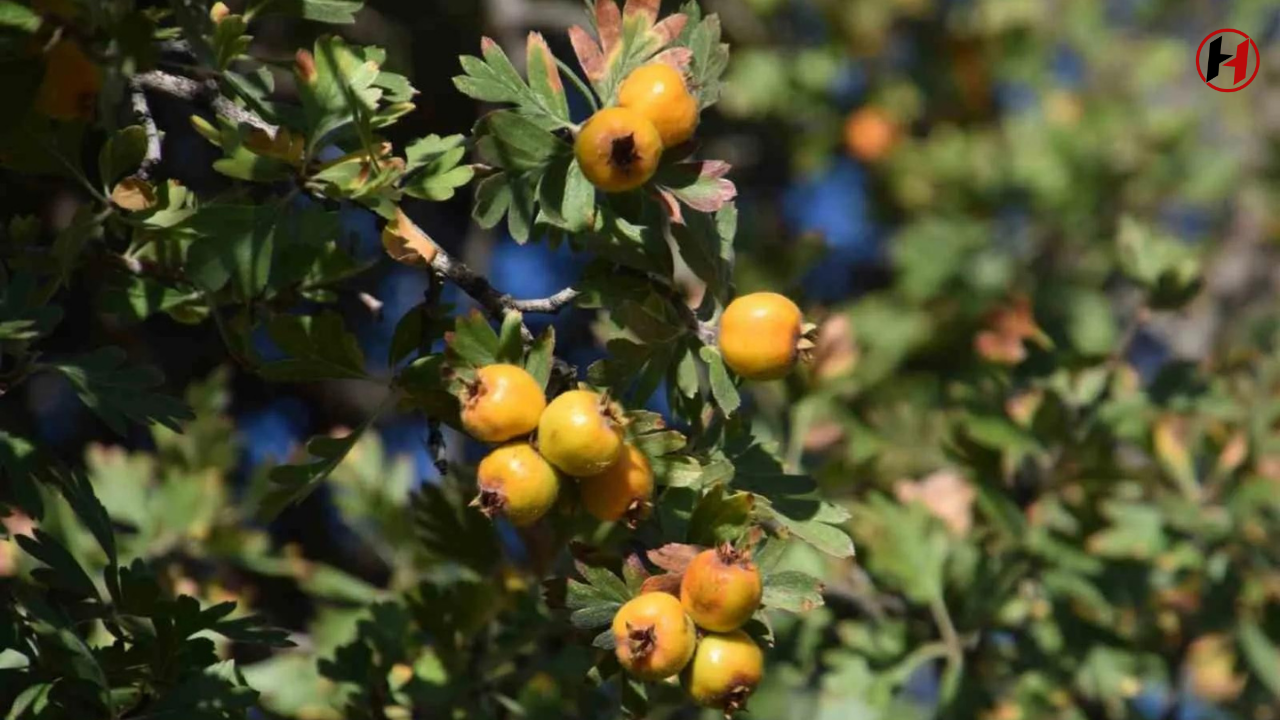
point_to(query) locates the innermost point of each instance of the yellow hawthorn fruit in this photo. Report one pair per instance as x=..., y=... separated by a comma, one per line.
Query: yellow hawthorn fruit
x=515, y=481
x=653, y=637
x=580, y=433
x=69, y=89
x=725, y=671
x=503, y=402
x=869, y=134
x=618, y=149
x=658, y=92
x=623, y=491
x=760, y=335
x=721, y=589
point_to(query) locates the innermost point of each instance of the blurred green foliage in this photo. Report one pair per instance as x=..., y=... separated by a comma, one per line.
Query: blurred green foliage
x=1048, y=423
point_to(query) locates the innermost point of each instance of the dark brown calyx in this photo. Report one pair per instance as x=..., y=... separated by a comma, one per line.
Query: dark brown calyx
x=638, y=510
x=729, y=555
x=641, y=641
x=736, y=699
x=490, y=502
x=472, y=391
x=622, y=153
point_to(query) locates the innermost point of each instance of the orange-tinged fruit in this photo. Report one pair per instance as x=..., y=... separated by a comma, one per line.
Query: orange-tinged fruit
x=618, y=149
x=623, y=491
x=503, y=402
x=869, y=134
x=580, y=433
x=658, y=92
x=721, y=589
x=653, y=638
x=71, y=83
x=725, y=671
x=516, y=482
x=760, y=335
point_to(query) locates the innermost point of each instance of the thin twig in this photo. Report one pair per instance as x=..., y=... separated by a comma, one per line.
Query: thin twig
x=547, y=305
x=143, y=112
x=206, y=93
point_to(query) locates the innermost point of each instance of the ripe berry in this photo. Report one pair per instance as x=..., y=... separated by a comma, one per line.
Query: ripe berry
x=623, y=491
x=725, y=671
x=618, y=149
x=869, y=134
x=721, y=589
x=503, y=402
x=653, y=637
x=760, y=335
x=516, y=482
x=580, y=433
x=69, y=89
x=658, y=92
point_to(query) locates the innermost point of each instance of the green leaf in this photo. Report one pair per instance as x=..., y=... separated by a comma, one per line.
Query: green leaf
x=1168, y=268
x=119, y=393
x=596, y=601
x=542, y=357
x=343, y=87
x=1261, y=654
x=721, y=517
x=133, y=298
x=474, y=342
x=233, y=243
x=18, y=17
x=514, y=142
x=334, y=12
x=510, y=342
x=63, y=571
x=432, y=169
x=494, y=79
x=21, y=316
x=544, y=78
x=292, y=483
x=710, y=58
x=706, y=244
x=792, y=591
x=31, y=702
x=722, y=387
x=493, y=198
x=319, y=348
x=121, y=154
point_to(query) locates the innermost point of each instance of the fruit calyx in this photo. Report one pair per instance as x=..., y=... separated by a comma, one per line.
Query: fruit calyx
x=641, y=640
x=729, y=555
x=491, y=502
x=807, y=343
x=622, y=152
x=735, y=700
x=636, y=511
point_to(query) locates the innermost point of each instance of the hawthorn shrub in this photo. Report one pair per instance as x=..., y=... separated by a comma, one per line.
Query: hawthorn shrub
x=1059, y=510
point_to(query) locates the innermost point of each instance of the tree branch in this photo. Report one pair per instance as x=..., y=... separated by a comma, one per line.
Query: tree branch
x=494, y=302
x=206, y=93
x=142, y=110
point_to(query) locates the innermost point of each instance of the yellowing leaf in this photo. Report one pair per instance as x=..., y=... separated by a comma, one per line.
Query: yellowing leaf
x=134, y=194
x=406, y=243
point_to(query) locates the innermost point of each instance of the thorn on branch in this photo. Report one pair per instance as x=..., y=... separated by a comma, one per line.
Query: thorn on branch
x=206, y=93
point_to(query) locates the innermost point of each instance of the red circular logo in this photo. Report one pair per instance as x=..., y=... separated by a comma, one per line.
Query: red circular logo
x=1227, y=60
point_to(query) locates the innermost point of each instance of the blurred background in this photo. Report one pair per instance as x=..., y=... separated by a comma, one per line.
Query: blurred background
x=974, y=198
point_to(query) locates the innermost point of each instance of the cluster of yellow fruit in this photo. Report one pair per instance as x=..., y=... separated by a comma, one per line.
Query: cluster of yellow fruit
x=579, y=435
x=656, y=635
x=619, y=147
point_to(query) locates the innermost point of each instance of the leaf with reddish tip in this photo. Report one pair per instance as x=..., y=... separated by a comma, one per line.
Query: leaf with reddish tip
x=668, y=583
x=647, y=9
x=680, y=58
x=670, y=205
x=700, y=185
x=589, y=55
x=608, y=25
x=670, y=28
x=674, y=557
x=544, y=77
